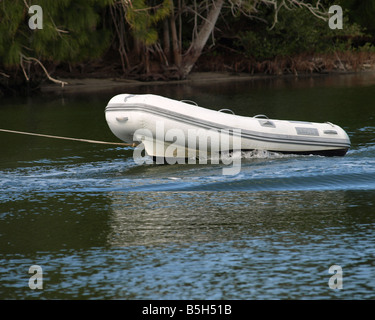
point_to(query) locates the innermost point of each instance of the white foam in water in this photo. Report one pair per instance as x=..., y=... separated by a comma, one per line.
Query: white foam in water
x=262, y=154
x=256, y=154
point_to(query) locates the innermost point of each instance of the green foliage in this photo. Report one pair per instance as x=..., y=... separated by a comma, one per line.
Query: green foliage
x=143, y=16
x=297, y=31
x=361, y=12
x=69, y=31
x=80, y=30
x=367, y=47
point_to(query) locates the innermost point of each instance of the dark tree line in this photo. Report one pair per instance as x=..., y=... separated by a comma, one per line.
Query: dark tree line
x=165, y=39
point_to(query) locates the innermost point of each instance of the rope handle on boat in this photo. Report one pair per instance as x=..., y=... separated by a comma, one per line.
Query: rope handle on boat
x=190, y=102
x=261, y=116
x=225, y=110
x=72, y=139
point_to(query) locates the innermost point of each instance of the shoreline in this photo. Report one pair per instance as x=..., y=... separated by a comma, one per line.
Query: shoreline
x=89, y=85
x=84, y=85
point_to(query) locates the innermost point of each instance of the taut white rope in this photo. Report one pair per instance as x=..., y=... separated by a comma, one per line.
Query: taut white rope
x=66, y=138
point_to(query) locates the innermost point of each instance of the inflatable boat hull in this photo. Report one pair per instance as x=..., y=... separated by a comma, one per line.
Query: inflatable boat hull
x=161, y=123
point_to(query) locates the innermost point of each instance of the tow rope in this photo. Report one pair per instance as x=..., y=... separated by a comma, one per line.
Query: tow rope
x=66, y=138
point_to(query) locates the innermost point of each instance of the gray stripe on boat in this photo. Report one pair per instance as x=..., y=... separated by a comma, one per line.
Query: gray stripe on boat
x=269, y=137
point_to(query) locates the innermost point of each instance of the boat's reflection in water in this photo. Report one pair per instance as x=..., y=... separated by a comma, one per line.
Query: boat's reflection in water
x=162, y=218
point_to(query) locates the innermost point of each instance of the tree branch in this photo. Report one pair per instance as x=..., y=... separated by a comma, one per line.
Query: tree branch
x=4, y=75
x=248, y=8
x=317, y=10
x=23, y=57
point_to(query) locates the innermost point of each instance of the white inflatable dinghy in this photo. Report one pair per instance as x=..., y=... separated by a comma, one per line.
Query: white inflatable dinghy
x=162, y=123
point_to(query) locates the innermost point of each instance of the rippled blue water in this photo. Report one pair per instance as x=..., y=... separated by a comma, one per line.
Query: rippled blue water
x=102, y=227
x=260, y=171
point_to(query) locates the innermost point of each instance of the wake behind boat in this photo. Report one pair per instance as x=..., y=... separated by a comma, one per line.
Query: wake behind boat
x=167, y=126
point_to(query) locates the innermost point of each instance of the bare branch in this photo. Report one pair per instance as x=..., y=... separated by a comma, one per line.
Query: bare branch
x=249, y=8
x=4, y=75
x=23, y=68
x=23, y=57
x=243, y=7
x=317, y=10
x=27, y=6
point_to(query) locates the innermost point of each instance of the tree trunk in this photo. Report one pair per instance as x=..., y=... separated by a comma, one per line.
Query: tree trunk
x=175, y=47
x=166, y=40
x=200, y=41
x=137, y=47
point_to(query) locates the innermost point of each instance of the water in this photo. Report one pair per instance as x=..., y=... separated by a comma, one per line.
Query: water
x=102, y=227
